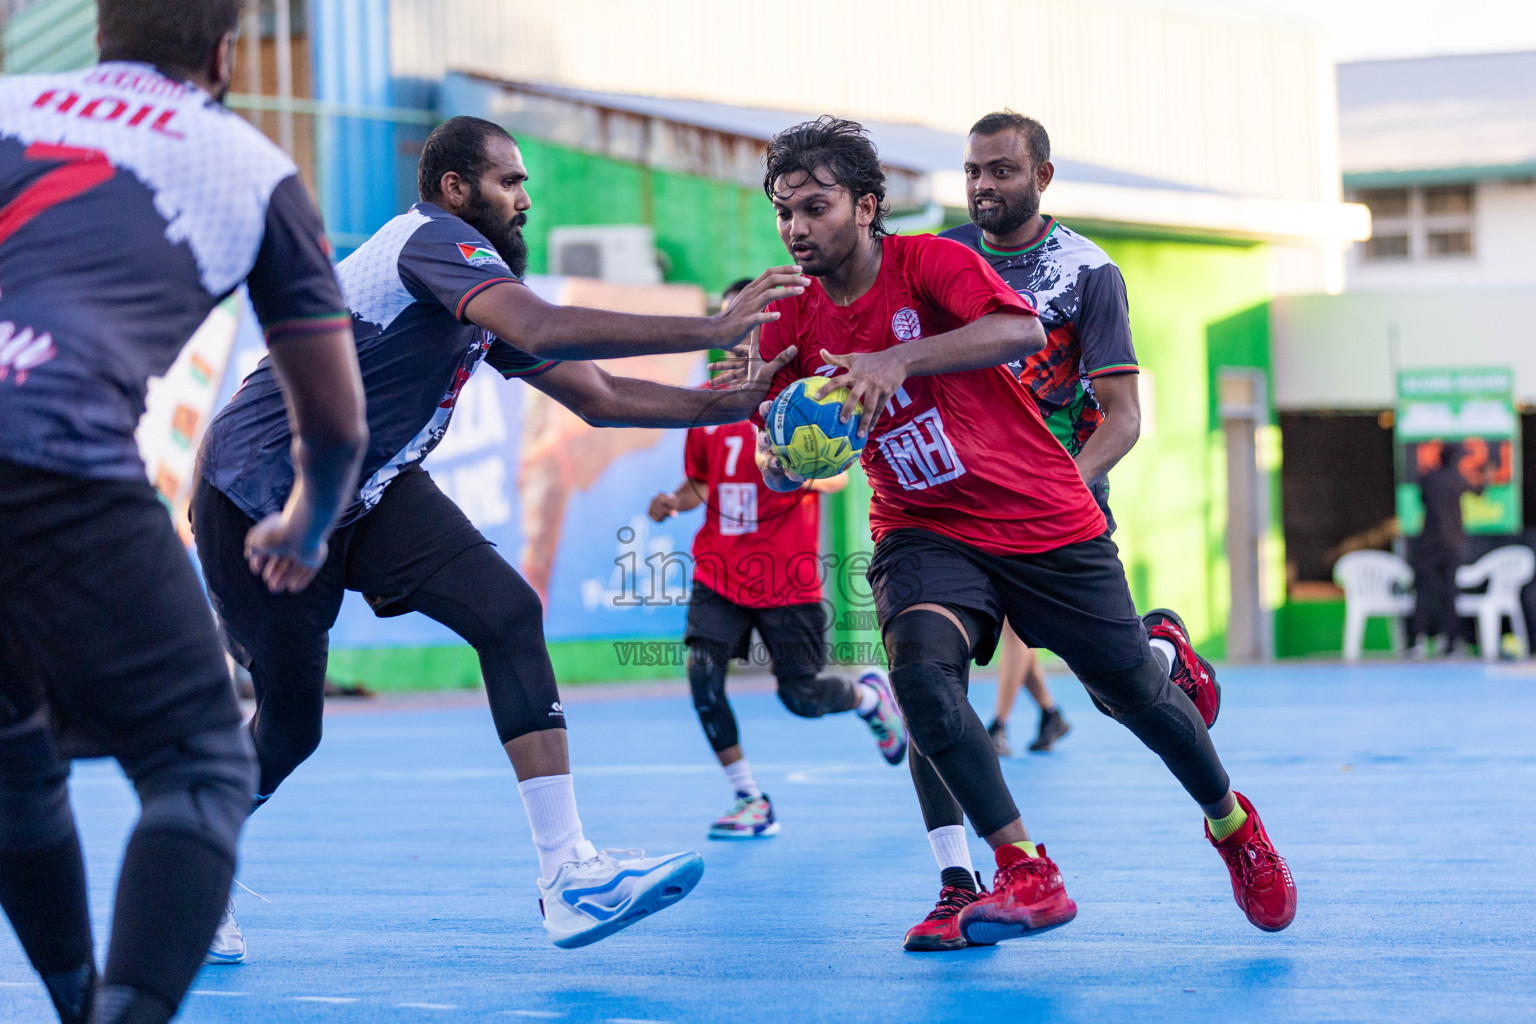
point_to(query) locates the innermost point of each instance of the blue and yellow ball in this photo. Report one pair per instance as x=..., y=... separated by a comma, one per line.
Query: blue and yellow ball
x=806, y=434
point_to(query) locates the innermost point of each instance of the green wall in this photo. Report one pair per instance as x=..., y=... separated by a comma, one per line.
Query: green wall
x=1194, y=308
x=710, y=232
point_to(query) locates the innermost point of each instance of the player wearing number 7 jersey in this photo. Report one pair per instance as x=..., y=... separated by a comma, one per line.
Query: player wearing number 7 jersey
x=978, y=514
x=757, y=564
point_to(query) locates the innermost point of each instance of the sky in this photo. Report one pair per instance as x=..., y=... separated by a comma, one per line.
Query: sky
x=1373, y=29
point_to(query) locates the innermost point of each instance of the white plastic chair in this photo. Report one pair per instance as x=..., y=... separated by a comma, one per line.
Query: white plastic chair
x=1372, y=582
x=1507, y=570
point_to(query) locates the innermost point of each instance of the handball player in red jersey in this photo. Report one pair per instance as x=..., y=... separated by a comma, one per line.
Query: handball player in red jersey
x=757, y=564
x=979, y=515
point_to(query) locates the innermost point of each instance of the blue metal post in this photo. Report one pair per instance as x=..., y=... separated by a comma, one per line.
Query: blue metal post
x=354, y=157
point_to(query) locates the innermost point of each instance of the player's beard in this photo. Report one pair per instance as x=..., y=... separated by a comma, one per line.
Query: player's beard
x=1011, y=213
x=506, y=236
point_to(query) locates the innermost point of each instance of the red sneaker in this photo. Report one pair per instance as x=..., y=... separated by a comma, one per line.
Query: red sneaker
x=1194, y=675
x=940, y=930
x=1261, y=881
x=1027, y=896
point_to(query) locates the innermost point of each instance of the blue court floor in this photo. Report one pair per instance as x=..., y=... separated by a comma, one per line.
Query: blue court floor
x=400, y=873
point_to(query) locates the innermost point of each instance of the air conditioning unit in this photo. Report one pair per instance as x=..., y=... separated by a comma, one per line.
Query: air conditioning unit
x=622, y=253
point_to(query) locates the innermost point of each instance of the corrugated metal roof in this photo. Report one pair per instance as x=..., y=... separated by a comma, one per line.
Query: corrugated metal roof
x=907, y=146
x=1436, y=118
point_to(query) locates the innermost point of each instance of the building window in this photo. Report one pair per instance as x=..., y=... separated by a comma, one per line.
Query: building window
x=1431, y=223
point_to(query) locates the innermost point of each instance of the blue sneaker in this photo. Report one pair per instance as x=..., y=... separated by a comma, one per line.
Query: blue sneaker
x=884, y=721
x=750, y=817
x=600, y=893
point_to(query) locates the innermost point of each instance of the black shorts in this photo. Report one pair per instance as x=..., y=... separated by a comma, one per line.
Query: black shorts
x=1072, y=600
x=795, y=635
x=102, y=620
x=412, y=532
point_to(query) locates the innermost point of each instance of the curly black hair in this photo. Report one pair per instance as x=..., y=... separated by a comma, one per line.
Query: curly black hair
x=844, y=149
x=1035, y=139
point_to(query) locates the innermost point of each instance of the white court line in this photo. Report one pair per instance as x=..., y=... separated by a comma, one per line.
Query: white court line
x=325, y=999
x=427, y=1006
x=215, y=992
x=534, y=1013
x=21, y=984
x=634, y=1020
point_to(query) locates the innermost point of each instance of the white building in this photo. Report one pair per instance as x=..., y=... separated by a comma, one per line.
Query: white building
x=1443, y=152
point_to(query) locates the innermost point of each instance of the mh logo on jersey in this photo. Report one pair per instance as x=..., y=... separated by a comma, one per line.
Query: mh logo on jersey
x=477, y=255
x=905, y=324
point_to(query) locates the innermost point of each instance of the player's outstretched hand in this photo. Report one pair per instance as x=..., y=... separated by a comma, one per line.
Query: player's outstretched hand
x=275, y=551
x=663, y=507
x=731, y=369
x=743, y=367
x=747, y=310
x=872, y=380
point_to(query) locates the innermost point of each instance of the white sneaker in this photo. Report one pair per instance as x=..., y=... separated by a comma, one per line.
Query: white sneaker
x=600, y=893
x=228, y=946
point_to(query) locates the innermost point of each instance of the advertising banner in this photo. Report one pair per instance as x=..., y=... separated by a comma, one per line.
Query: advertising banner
x=1474, y=408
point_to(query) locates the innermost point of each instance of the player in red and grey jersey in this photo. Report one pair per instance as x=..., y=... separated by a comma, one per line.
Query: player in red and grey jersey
x=1084, y=380
x=131, y=203
x=978, y=515
x=757, y=565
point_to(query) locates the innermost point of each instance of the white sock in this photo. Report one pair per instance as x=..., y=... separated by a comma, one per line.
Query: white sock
x=1169, y=652
x=550, y=801
x=950, y=848
x=869, y=699
x=740, y=774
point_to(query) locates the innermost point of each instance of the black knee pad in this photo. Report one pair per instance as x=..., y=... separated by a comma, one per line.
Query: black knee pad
x=930, y=703
x=706, y=679
x=929, y=663
x=34, y=799
x=801, y=695
x=202, y=785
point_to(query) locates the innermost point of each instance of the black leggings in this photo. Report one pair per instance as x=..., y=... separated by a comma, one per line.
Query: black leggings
x=478, y=596
x=414, y=552
x=107, y=647
x=954, y=766
x=803, y=693
x=952, y=761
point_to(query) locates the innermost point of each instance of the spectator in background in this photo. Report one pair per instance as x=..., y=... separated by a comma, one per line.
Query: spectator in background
x=1440, y=549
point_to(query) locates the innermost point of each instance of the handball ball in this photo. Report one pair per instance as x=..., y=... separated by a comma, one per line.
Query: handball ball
x=806, y=434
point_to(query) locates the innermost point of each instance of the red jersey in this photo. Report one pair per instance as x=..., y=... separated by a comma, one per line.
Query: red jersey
x=966, y=454
x=757, y=547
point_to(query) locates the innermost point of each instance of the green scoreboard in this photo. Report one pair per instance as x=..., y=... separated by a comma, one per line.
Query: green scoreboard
x=1474, y=408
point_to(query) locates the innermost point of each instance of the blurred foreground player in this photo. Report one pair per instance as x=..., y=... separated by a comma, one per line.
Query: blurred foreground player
x=978, y=514
x=757, y=564
x=434, y=293
x=131, y=203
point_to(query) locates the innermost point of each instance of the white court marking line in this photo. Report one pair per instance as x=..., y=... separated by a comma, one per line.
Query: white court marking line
x=325, y=999
x=635, y=1020
x=215, y=992
x=835, y=774
x=620, y=770
x=535, y=1013
x=21, y=984
x=427, y=1006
